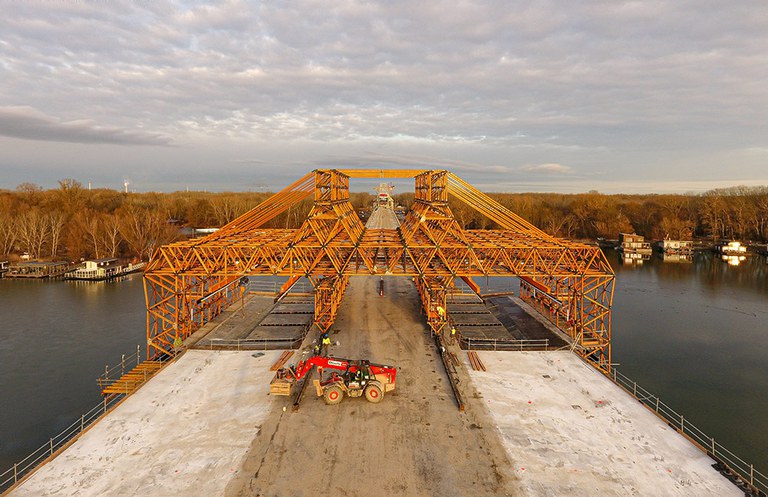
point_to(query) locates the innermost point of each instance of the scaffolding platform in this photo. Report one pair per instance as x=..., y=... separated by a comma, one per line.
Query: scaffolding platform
x=262, y=325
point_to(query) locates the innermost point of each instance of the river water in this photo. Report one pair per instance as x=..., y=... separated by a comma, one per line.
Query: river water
x=56, y=338
x=693, y=333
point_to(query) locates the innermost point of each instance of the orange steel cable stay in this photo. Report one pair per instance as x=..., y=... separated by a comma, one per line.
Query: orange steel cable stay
x=188, y=283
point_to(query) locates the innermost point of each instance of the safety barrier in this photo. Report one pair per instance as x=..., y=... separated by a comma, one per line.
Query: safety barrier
x=255, y=285
x=114, y=373
x=248, y=343
x=730, y=465
x=57, y=443
x=503, y=344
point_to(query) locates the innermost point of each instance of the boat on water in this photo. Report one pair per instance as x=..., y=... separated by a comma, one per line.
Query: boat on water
x=102, y=269
x=37, y=269
x=668, y=246
x=730, y=248
x=633, y=244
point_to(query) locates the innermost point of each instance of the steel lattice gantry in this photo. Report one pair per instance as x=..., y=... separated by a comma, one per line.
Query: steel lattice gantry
x=188, y=283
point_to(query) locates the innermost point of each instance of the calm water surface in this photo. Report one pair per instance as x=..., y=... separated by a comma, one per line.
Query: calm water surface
x=695, y=334
x=55, y=338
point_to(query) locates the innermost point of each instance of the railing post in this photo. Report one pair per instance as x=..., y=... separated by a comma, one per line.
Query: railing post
x=657, y=410
x=122, y=364
x=713, y=446
x=51, y=442
x=634, y=389
x=15, y=472
x=105, y=405
x=682, y=424
x=138, y=355
x=752, y=474
x=82, y=422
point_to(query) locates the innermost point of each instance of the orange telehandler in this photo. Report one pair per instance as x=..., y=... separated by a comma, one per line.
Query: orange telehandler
x=355, y=379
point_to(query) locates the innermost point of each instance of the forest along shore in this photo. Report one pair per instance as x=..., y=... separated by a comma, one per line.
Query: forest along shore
x=72, y=222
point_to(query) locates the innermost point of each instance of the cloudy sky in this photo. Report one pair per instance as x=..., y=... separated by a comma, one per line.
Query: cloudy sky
x=645, y=96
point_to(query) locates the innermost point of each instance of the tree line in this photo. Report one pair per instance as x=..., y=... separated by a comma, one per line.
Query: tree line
x=71, y=222
x=738, y=212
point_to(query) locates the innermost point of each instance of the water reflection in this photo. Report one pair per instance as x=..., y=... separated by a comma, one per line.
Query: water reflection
x=733, y=260
x=633, y=258
x=677, y=258
x=710, y=271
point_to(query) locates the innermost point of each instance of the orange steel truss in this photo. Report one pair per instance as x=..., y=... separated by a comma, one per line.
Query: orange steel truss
x=188, y=283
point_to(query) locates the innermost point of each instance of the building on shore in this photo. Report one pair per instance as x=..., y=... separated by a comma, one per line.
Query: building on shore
x=102, y=269
x=37, y=269
x=675, y=247
x=634, y=244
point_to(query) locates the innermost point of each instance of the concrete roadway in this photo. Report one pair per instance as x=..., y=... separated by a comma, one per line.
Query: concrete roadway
x=414, y=443
x=536, y=424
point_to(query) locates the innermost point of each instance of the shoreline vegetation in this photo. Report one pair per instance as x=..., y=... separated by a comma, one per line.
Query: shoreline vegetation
x=73, y=223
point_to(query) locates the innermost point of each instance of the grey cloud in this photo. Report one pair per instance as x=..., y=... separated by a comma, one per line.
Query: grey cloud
x=507, y=83
x=30, y=124
x=550, y=168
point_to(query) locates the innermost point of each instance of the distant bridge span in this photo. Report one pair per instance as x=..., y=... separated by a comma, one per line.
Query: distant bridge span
x=188, y=283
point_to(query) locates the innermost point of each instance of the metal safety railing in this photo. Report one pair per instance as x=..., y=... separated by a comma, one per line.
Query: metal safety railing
x=245, y=343
x=19, y=470
x=273, y=287
x=114, y=373
x=254, y=343
x=504, y=344
x=55, y=444
x=732, y=466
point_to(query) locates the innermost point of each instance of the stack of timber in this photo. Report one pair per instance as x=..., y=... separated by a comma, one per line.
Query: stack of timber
x=475, y=362
x=280, y=362
x=131, y=380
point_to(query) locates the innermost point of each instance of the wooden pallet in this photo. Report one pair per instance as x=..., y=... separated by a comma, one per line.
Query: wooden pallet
x=475, y=362
x=134, y=378
x=280, y=362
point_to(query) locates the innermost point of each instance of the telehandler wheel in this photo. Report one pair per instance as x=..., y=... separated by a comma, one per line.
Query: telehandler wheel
x=333, y=395
x=373, y=393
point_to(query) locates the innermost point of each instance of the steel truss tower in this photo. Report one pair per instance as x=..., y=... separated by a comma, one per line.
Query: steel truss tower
x=188, y=283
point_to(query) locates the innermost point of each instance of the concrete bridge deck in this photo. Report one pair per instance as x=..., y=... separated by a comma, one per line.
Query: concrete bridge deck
x=535, y=424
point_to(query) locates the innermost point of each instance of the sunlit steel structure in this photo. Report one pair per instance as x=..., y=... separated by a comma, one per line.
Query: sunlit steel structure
x=188, y=283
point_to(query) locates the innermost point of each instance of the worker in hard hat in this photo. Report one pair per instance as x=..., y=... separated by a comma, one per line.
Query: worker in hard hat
x=441, y=312
x=453, y=334
x=326, y=342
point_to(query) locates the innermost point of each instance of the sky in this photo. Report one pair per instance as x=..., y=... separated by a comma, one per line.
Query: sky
x=546, y=96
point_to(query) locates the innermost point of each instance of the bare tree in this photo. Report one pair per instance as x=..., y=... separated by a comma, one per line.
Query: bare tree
x=91, y=224
x=33, y=231
x=112, y=236
x=227, y=208
x=7, y=232
x=56, y=222
x=144, y=230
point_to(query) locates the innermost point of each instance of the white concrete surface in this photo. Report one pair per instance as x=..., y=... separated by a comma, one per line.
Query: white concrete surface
x=382, y=218
x=571, y=432
x=184, y=433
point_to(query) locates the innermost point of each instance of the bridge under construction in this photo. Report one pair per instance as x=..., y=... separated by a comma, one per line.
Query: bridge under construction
x=189, y=283
x=528, y=423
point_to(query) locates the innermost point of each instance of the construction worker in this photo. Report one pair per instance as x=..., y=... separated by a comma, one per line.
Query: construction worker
x=453, y=334
x=326, y=342
x=441, y=312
